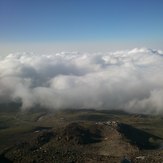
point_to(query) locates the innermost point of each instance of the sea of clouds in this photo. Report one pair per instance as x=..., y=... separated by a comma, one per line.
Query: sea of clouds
x=131, y=80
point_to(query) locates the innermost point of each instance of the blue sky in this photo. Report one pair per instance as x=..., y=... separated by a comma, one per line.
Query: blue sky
x=26, y=23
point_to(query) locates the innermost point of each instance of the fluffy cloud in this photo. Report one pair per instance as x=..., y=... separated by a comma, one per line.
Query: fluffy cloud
x=131, y=80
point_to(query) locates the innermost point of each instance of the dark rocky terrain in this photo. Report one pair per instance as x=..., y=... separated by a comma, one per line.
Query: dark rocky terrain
x=80, y=136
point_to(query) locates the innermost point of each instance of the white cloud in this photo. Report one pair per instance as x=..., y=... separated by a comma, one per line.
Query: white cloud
x=131, y=80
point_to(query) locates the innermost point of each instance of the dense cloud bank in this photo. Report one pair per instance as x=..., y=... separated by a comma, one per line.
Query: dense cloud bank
x=131, y=80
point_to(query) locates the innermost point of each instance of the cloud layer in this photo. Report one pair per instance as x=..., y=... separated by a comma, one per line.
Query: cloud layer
x=130, y=80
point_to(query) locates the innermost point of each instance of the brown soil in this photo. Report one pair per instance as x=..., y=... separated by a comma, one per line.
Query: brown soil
x=84, y=142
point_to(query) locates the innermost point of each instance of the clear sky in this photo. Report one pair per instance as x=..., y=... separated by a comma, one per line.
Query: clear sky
x=80, y=24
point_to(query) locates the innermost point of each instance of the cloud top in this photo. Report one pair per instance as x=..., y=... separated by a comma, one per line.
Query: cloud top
x=131, y=80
